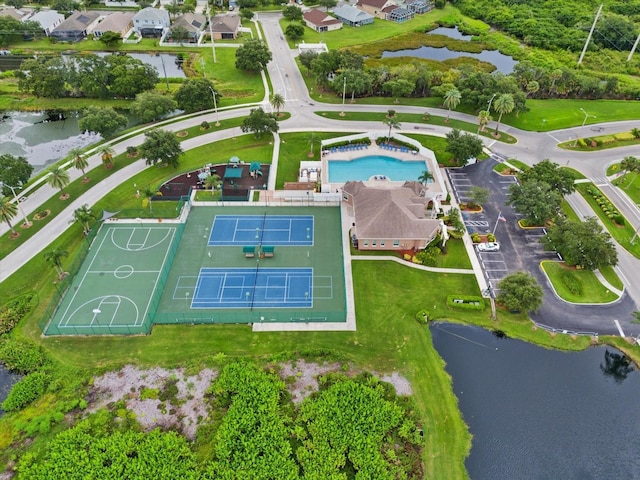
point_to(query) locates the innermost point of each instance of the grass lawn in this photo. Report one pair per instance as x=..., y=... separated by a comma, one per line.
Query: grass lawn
x=294, y=148
x=518, y=164
x=612, y=277
x=569, y=212
x=630, y=185
x=622, y=235
x=576, y=286
x=416, y=118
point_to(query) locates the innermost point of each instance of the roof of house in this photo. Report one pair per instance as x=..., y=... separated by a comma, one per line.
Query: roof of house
x=150, y=13
x=351, y=14
x=115, y=22
x=392, y=8
x=318, y=17
x=46, y=18
x=379, y=4
x=13, y=13
x=225, y=23
x=390, y=211
x=78, y=21
x=192, y=22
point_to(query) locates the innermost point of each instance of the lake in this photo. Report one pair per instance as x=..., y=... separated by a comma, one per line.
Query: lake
x=7, y=379
x=542, y=414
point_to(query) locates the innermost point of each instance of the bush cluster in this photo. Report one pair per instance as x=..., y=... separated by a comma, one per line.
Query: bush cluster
x=606, y=206
x=465, y=302
x=13, y=311
x=27, y=390
x=21, y=355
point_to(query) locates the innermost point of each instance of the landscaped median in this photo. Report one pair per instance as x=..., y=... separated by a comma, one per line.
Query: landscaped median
x=615, y=223
x=576, y=286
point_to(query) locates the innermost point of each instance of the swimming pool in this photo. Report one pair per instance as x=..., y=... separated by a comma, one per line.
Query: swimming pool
x=363, y=168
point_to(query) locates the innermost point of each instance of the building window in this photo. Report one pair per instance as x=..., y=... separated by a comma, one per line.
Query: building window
x=382, y=243
x=396, y=243
x=366, y=243
x=374, y=243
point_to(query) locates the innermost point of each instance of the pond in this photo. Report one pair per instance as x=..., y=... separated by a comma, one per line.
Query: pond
x=544, y=414
x=503, y=63
x=451, y=33
x=7, y=379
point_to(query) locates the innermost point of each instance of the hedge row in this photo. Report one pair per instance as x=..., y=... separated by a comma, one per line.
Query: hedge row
x=606, y=206
x=24, y=392
x=465, y=302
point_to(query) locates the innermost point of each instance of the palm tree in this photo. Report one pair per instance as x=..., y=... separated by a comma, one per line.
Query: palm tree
x=484, y=117
x=425, y=177
x=54, y=257
x=106, y=153
x=635, y=132
x=277, y=102
x=452, y=99
x=148, y=197
x=80, y=162
x=391, y=122
x=83, y=216
x=504, y=104
x=313, y=139
x=212, y=182
x=58, y=178
x=630, y=164
x=8, y=210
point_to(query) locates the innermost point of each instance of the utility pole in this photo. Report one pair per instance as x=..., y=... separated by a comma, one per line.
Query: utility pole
x=213, y=47
x=344, y=91
x=593, y=27
x=633, y=49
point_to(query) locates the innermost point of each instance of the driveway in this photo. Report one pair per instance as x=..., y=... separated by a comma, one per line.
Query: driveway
x=520, y=250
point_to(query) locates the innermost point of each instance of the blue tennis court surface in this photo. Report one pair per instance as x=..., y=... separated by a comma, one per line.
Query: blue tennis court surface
x=254, y=288
x=260, y=229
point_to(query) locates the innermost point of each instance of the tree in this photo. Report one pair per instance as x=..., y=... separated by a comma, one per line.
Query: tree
x=478, y=195
x=327, y=4
x=83, y=215
x=79, y=161
x=212, y=182
x=196, y=94
x=106, y=155
x=630, y=164
x=399, y=88
x=532, y=87
x=161, y=146
x=277, y=102
x=104, y=121
x=150, y=106
x=425, y=177
x=14, y=171
x=259, y=123
x=253, y=56
x=391, y=122
x=58, y=178
x=292, y=13
x=504, y=104
x=179, y=34
x=54, y=258
x=463, y=146
x=535, y=200
x=148, y=198
x=8, y=210
x=246, y=14
x=559, y=179
x=110, y=39
x=313, y=140
x=520, y=292
x=452, y=100
x=484, y=117
x=635, y=132
x=583, y=244
x=294, y=31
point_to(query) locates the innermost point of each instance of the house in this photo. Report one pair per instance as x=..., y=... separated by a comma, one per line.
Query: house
x=48, y=20
x=399, y=14
x=118, y=22
x=377, y=8
x=389, y=216
x=352, y=16
x=420, y=6
x=151, y=22
x=16, y=14
x=225, y=27
x=192, y=23
x=320, y=21
x=76, y=27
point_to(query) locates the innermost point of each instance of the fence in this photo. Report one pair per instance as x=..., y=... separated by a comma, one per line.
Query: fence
x=249, y=317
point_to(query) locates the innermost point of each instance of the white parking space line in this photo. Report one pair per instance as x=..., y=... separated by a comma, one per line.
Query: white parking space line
x=619, y=328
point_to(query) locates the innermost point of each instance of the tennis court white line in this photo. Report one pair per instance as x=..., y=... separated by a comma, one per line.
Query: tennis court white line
x=114, y=271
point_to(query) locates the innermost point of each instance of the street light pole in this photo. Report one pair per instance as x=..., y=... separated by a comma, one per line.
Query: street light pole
x=213, y=47
x=344, y=91
x=586, y=115
x=15, y=199
x=215, y=106
x=489, y=107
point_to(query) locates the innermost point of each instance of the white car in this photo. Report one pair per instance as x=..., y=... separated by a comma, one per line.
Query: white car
x=488, y=247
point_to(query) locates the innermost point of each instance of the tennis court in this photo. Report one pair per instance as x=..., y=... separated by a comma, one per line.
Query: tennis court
x=265, y=229
x=113, y=290
x=253, y=287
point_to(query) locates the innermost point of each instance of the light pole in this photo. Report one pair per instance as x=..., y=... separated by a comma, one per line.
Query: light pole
x=213, y=47
x=25, y=222
x=215, y=106
x=586, y=115
x=344, y=91
x=489, y=107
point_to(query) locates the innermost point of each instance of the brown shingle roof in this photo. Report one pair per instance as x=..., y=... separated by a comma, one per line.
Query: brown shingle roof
x=318, y=17
x=374, y=3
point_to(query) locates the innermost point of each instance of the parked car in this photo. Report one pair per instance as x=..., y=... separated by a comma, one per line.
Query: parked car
x=488, y=247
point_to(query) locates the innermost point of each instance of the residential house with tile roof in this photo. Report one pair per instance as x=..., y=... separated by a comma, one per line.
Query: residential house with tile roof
x=117, y=22
x=377, y=8
x=193, y=23
x=352, y=16
x=76, y=27
x=225, y=27
x=321, y=21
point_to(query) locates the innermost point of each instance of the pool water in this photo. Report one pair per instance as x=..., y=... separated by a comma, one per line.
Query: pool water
x=363, y=168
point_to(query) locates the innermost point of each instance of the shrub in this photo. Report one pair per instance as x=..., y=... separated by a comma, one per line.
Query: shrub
x=606, y=140
x=21, y=355
x=624, y=136
x=491, y=237
x=475, y=237
x=422, y=316
x=582, y=143
x=571, y=283
x=13, y=311
x=27, y=390
x=465, y=302
x=619, y=219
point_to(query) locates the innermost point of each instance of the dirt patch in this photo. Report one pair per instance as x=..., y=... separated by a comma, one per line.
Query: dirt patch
x=142, y=391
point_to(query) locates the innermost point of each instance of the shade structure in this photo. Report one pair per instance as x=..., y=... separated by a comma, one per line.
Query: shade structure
x=254, y=167
x=234, y=160
x=203, y=176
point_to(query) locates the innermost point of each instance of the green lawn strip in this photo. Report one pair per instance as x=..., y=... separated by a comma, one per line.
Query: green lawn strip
x=569, y=212
x=605, y=146
x=518, y=164
x=294, y=148
x=415, y=118
x=622, y=235
x=591, y=290
x=576, y=174
x=613, y=169
x=630, y=185
x=611, y=276
x=502, y=168
x=456, y=256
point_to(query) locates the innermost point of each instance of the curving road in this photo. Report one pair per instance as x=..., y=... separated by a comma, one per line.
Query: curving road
x=287, y=80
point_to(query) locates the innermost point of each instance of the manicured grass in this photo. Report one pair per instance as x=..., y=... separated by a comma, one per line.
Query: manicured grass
x=417, y=118
x=569, y=212
x=612, y=277
x=437, y=145
x=294, y=148
x=502, y=168
x=630, y=184
x=456, y=256
x=518, y=164
x=576, y=174
x=605, y=146
x=613, y=169
x=591, y=290
x=622, y=235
